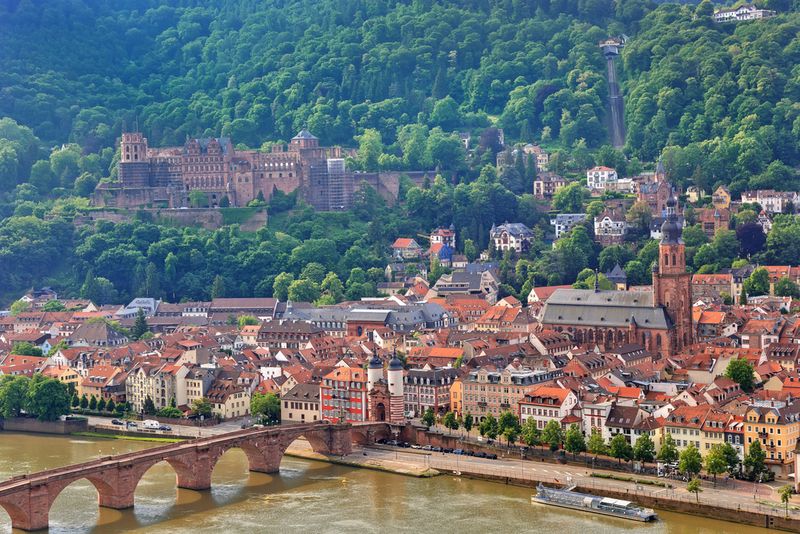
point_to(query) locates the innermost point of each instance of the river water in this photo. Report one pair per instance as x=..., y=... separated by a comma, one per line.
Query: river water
x=308, y=497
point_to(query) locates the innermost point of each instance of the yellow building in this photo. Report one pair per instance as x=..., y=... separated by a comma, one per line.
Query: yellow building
x=457, y=397
x=65, y=375
x=721, y=199
x=776, y=426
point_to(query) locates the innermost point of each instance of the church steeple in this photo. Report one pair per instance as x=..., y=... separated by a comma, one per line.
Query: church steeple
x=672, y=251
x=672, y=286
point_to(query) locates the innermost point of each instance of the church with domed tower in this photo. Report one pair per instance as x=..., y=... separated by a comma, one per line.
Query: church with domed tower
x=660, y=320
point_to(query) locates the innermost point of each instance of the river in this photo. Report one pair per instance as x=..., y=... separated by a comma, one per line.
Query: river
x=307, y=496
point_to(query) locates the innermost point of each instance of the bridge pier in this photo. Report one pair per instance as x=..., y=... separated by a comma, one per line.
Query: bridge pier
x=29, y=509
x=116, y=487
x=341, y=441
x=194, y=469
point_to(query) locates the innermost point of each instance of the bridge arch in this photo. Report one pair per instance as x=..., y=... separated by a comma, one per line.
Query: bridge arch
x=156, y=474
x=14, y=513
x=62, y=509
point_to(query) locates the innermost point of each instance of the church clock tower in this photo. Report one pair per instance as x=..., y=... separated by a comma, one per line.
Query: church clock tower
x=672, y=285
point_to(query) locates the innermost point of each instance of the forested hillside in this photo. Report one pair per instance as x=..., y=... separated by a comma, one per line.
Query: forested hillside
x=396, y=78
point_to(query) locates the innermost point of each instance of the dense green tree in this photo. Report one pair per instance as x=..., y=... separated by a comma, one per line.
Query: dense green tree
x=303, y=291
x=596, y=444
x=140, y=326
x=25, y=348
x=428, y=418
x=13, y=395
x=530, y=433
x=785, y=287
x=552, y=435
x=468, y=421
x=149, y=407
x=489, y=427
x=715, y=461
x=574, y=442
x=507, y=420
x=620, y=449
x=644, y=449
x=754, y=460
x=266, y=407
x=450, y=421
x=47, y=398
x=170, y=412
x=201, y=407
x=689, y=461
x=741, y=371
x=758, y=282
x=569, y=199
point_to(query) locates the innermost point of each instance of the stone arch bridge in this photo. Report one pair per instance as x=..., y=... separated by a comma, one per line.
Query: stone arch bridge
x=27, y=498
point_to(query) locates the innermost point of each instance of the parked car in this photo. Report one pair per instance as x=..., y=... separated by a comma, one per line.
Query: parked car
x=436, y=449
x=165, y=428
x=131, y=424
x=447, y=449
x=415, y=446
x=382, y=441
x=480, y=454
x=491, y=456
x=117, y=422
x=405, y=444
x=393, y=443
x=458, y=451
x=427, y=448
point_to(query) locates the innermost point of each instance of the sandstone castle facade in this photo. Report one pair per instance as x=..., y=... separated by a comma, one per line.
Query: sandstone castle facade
x=164, y=177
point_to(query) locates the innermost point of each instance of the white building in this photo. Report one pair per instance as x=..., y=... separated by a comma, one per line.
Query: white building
x=772, y=201
x=610, y=228
x=599, y=177
x=748, y=12
x=511, y=236
x=548, y=403
x=564, y=222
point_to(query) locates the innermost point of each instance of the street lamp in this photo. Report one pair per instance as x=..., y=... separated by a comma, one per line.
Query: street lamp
x=755, y=487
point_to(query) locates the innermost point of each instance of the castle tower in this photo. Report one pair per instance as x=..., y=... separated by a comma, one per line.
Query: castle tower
x=133, y=147
x=394, y=377
x=304, y=140
x=672, y=285
x=374, y=372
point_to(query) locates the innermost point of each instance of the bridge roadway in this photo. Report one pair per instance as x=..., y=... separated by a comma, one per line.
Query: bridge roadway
x=28, y=498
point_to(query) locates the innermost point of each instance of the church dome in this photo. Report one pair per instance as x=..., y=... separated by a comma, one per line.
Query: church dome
x=671, y=228
x=395, y=364
x=375, y=362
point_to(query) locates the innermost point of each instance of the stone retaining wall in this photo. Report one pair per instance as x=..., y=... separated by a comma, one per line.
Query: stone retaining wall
x=26, y=424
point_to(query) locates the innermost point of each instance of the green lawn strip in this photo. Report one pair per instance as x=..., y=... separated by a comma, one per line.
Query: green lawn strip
x=124, y=437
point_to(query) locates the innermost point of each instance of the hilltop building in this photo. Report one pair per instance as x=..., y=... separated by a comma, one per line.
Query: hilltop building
x=742, y=13
x=164, y=177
